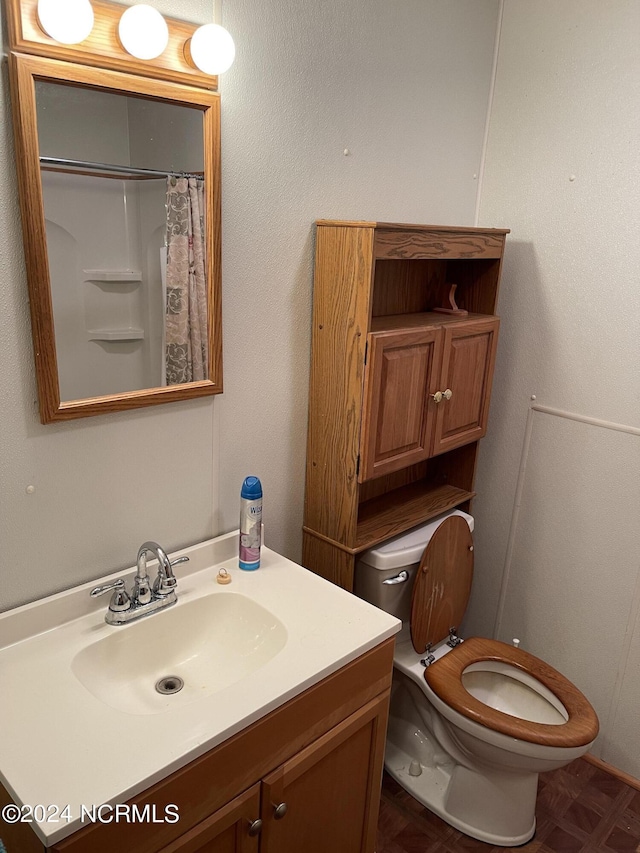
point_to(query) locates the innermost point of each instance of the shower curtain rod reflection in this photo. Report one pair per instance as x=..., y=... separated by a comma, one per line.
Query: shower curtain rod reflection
x=84, y=167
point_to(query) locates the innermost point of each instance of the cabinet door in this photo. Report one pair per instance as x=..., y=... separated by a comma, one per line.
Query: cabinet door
x=229, y=830
x=326, y=798
x=469, y=352
x=398, y=413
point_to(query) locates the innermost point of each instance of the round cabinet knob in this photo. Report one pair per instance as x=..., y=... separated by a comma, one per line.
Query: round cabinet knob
x=255, y=827
x=437, y=397
x=448, y=394
x=280, y=811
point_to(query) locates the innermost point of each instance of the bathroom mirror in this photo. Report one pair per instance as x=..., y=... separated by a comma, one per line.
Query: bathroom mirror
x=119, y=192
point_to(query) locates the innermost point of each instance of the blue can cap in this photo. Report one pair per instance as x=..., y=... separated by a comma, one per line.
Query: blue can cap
x=251, y=488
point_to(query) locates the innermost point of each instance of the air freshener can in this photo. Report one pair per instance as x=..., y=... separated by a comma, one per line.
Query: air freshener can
x=250, y=524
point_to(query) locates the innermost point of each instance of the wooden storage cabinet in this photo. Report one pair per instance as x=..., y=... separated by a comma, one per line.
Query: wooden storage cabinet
x=469, y=354
x=399, y=390
x=404, y=418
x=402, y=375
x=321, y=754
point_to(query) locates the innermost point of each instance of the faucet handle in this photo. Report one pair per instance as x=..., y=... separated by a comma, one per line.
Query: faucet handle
x=165, y=582
x=119, y=600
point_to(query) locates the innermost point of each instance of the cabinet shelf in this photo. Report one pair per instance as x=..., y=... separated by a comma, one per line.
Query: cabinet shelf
x=403, y=508
x=396, y=322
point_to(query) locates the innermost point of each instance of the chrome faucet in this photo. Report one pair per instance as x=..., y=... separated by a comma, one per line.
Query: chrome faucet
x=144, y=599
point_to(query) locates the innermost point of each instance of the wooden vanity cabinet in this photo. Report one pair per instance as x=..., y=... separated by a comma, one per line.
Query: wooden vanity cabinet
x=311, y=771
x=399, y=390
x=322, y=799
x=231, y=829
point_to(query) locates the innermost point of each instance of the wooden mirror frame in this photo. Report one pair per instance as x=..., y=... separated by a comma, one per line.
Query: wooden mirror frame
x=101, y=63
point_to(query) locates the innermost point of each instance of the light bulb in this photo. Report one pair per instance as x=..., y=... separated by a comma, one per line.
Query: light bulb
x=66, y=21
x=143, y=31
x=212, y=49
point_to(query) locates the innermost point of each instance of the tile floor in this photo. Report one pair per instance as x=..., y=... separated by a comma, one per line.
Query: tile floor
x=581, y=809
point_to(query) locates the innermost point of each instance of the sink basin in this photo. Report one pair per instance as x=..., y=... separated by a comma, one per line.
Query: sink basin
x=209, y=643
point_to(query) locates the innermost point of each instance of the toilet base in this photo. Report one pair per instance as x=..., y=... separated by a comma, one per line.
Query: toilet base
x=495, y=807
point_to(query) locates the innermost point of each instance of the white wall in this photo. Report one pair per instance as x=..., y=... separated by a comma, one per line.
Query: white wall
x=558, y=540
x=405, y=87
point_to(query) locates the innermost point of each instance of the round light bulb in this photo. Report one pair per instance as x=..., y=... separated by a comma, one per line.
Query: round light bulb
x=212, y=49
x=66, y=21
x=143, y=31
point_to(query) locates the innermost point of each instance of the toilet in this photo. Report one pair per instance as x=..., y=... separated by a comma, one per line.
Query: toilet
x=472, y=722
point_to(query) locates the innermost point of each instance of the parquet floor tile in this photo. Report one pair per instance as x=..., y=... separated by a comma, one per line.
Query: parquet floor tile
x=580, y=809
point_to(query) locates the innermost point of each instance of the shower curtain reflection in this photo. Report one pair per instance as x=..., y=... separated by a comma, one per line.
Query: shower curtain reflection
x=186, y=337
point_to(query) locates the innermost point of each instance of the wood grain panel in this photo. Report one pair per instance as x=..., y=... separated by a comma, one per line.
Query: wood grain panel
x=341, y=315
x=467, y=370
x=442, y=584
x=389, y=482
x=328, y=809
x=226, y=831
x=397, y=511
x=478, y=283
x=445, y=679
x=328, y=559
x=397, y=414
x=425, y=243
x=406, y=286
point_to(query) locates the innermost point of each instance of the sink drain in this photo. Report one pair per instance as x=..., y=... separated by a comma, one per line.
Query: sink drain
x=169, y=684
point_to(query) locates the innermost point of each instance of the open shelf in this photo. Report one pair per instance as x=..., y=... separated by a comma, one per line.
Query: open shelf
x=403, y=508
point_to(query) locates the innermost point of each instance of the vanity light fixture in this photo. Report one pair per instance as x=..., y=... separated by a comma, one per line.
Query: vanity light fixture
x=212, y=49
x=66, y=21
x=143, y=31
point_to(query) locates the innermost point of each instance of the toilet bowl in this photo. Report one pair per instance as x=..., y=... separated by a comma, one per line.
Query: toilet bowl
x=472, y=722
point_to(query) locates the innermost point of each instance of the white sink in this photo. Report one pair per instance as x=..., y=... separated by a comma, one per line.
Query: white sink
x=209, y=643
x=78, y=686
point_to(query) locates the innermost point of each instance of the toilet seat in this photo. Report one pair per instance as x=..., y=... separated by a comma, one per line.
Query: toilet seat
x=440, y=595
x=444, y=677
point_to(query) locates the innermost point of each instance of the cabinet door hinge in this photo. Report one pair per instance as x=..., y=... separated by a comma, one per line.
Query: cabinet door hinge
x=358, y=466
x=366, y=351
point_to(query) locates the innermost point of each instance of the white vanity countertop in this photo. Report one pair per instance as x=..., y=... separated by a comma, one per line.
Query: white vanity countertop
x=60, y=745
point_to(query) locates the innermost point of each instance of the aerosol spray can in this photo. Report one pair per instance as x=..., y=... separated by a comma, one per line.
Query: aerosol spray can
x=250, y=524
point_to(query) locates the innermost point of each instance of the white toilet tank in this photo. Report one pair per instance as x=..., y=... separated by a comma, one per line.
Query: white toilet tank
x=385, y=562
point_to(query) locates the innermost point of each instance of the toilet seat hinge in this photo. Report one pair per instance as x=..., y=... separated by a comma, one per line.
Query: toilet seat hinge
x=429, y=659
x=454, y=640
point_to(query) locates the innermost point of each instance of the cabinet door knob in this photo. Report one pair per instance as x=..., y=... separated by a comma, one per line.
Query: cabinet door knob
x=437, y=397
x=280, y=811
x=448, y=394
x=255, y=826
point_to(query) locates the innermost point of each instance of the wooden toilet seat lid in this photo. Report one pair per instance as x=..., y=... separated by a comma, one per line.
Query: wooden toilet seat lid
x=442, y=584
x=444, y=677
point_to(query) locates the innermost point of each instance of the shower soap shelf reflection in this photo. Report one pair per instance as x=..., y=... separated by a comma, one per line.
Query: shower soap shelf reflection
x=113, y=275
x=115, y=334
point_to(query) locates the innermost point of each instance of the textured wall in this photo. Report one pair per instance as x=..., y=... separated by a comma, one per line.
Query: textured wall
x=405, y=87
x=563, y=172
